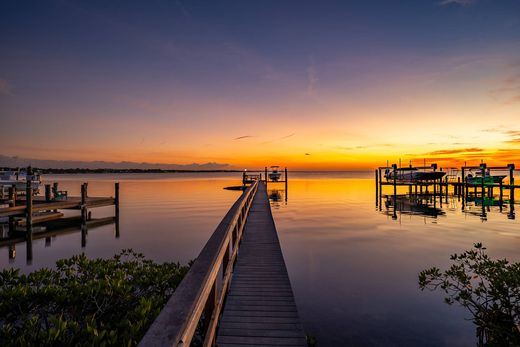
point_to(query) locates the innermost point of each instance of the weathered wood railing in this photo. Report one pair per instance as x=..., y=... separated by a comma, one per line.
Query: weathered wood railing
x=202, y=292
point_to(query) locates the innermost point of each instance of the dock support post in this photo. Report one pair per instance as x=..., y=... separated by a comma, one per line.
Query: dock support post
x=501, y=195
x=83, y=203
x=458, y=186
x=482, y=187
x=116, y=198
x=54, y=190
x=286, y=185
x=266, y=177
x=47, y=192
x=511, y=181
x=12, y=253
x=394, y=166
x=447, y=190
x=12, y=196
x=377, y=186
x=244, y=178
x=28, y=204
x=29, y=250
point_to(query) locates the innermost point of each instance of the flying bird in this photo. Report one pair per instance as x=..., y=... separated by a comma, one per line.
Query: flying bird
x=307, y=154
x=242, y=137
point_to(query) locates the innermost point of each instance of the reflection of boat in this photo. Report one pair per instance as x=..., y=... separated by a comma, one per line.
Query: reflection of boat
x=274, y=195
x=412, y=174
x=18, y=180
x=413, y=206
x=275, y=174
x=488, y=178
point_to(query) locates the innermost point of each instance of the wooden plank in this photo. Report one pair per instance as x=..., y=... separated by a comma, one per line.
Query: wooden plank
x=260, y=307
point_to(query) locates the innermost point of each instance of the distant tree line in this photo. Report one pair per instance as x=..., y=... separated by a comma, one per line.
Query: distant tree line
x=108, y=170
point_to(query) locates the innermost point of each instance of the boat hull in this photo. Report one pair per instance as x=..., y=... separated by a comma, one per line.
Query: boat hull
x=487, y=179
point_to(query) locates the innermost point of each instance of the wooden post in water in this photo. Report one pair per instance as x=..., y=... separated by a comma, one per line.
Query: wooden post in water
x=83, y=203
x=28, y=204
x=116, y=203
x=47, y=192
x=55, y=190
x=286, y=184
x=447, y=190
x=243, y=178
x=12, y=252
x=500, y=195
x=440, y=186
x=394, y=166
x=12, y=196
x=377, y=186
x=511, y=182
x=482, y=187
x=266, y=177
x=458, y=186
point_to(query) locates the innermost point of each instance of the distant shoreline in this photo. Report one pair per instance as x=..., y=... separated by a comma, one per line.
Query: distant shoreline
x=108, y=170
x=84, y=171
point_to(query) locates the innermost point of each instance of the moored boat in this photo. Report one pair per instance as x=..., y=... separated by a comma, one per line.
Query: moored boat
x=275, y=173
x=487, y=179
x=18, y=180
x=412, y=174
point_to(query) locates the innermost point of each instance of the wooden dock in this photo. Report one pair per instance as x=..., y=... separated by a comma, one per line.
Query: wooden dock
x=237, y=292
x=260, y=307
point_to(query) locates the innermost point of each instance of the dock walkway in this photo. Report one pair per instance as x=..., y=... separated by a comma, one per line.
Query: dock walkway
x=260, y=309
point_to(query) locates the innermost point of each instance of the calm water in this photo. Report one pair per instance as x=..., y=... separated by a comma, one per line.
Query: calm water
x=352, y=265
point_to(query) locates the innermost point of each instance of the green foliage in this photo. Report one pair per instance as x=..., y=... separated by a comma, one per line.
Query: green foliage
x=85, y=302
x=489, y=289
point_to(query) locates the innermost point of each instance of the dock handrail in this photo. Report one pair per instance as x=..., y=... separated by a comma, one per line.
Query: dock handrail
x=200, y=291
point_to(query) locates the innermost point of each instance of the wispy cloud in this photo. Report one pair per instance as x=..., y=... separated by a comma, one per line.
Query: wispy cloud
x=508, y=92
x=183, y=9
x=5, y=87
x=455, y=151
x=457, y=2
x=287, y=136
x=243, y=137
x=312, y=78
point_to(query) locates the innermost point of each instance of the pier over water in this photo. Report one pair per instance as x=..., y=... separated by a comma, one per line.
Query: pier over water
x=237, y=292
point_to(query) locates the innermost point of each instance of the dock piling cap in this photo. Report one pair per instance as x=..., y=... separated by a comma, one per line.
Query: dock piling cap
x=511, y=166
x=483, y=165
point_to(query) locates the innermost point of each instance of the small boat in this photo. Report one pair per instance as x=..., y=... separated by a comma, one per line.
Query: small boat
x=488, y=178
x=412, y=174
x=275, y=173
x=18, y=180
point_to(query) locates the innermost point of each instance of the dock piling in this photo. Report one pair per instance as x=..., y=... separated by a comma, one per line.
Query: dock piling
x=29, y=204
x=47, y=192
x=83, y=203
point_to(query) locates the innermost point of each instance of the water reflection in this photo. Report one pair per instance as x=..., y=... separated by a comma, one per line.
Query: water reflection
x=434, y=203
x=9, y=238
x=277, y=197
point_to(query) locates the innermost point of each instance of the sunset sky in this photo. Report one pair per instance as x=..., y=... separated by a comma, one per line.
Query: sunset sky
x=304, y=84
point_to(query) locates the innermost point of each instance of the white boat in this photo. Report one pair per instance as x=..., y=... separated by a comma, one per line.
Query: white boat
x=412, y=174
x=275, y=173
x=18, y=180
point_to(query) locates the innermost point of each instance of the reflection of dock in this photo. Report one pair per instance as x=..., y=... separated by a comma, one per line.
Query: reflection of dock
x=238, y=288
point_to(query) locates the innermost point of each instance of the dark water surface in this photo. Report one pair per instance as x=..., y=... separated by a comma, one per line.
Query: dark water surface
x=352, y=266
